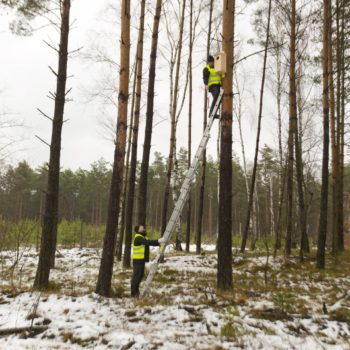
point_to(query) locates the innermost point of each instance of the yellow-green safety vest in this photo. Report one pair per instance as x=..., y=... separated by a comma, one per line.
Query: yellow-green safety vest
x=214, y=78
x=138, y=251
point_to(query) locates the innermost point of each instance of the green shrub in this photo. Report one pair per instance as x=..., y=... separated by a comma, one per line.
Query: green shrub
x=284, y=302
x=21, y=234
x=229, y=330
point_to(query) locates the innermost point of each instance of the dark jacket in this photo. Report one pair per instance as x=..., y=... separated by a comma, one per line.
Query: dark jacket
x=147, y=243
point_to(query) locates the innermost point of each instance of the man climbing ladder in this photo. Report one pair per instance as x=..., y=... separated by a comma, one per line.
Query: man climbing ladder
x=185, y=188
x=212, y=81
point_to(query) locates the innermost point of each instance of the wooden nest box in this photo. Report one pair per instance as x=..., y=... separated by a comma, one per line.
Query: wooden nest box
x=220, y=62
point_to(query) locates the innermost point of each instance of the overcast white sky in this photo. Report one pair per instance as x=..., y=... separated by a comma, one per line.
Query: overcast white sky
x=26, y=80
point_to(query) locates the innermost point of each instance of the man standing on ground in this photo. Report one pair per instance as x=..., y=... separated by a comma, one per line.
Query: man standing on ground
x=140, y=255
x=212, y=81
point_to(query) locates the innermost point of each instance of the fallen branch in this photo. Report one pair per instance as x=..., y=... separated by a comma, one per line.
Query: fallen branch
x=86, y=261
x=34, y=330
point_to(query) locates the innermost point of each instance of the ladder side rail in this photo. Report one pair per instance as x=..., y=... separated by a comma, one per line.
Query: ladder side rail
x=185, y=188
x=189, y=176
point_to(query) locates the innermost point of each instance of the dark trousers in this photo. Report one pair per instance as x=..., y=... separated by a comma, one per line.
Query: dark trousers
x=137, y=275
x=215, y=92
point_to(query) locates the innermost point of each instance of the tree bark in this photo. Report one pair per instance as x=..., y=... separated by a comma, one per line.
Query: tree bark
x=121, y=223
x=292, y=128
x=172, y=146
x=224, y=270
x=133, y=162
x=340, y=118
x=142, y=200
x=334, y=146
x=49, y=232
x=204, y=161
x=304, y=241
x=280, y=150
x=322, y=230
x=106, y=266
x=252, y=185
x=189, y=202
x=342, y=132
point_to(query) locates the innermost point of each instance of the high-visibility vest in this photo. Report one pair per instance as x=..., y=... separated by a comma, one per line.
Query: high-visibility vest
x=138, y=251
x=214, y=78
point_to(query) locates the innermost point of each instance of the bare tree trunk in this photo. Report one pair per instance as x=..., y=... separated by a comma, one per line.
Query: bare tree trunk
x=272, y=212
x=292, y=128
x=255, y=219
x=339, y=186
x=335, y=152
x=175, y=180
x=49, y=232
x=322, y=230
x=106, y=266
x=245, y=172
x=304, y=245
x=304, y=241
x=142, y=200
x=172, y=148
x=204, y=161
x=280, y=150
x=280, y=211
x=189, y=206
x=252, y=185
x=135, y=127
x=210, y=215
x=121, y=223
x=218, y=152
x=224, y=270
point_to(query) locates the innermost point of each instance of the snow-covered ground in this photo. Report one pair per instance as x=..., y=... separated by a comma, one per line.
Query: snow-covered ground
x=282, y=306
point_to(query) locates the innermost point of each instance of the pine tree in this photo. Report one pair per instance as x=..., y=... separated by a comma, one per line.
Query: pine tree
x=224, y=271
x=142, y=200
x=135, y=127
x=49, y=231
x=108, y=252
x=322, y=229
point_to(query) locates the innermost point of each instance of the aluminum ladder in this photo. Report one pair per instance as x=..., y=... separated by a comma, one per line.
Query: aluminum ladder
x=185, y=189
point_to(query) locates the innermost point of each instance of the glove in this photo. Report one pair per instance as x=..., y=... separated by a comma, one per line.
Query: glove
x=161, y=241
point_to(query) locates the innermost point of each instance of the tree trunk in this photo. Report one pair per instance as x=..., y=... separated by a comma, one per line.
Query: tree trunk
x=189, y=206
x=204, y=160
x=49, y=232
x=342, y=132
x=106, y=267
x=272, y=212
x=340, y=69
x=304, y=244
x=133, y=162
x=142, y=200
x=280, y=151
x=304, y=241
x=121, y=223
x=322, y=230
x=255, y=219
x=334, y=146
x=224, y=270
x=292, y=128
x=252, y=185
x=175, y=181
x=280, y=210
x=172, y=146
